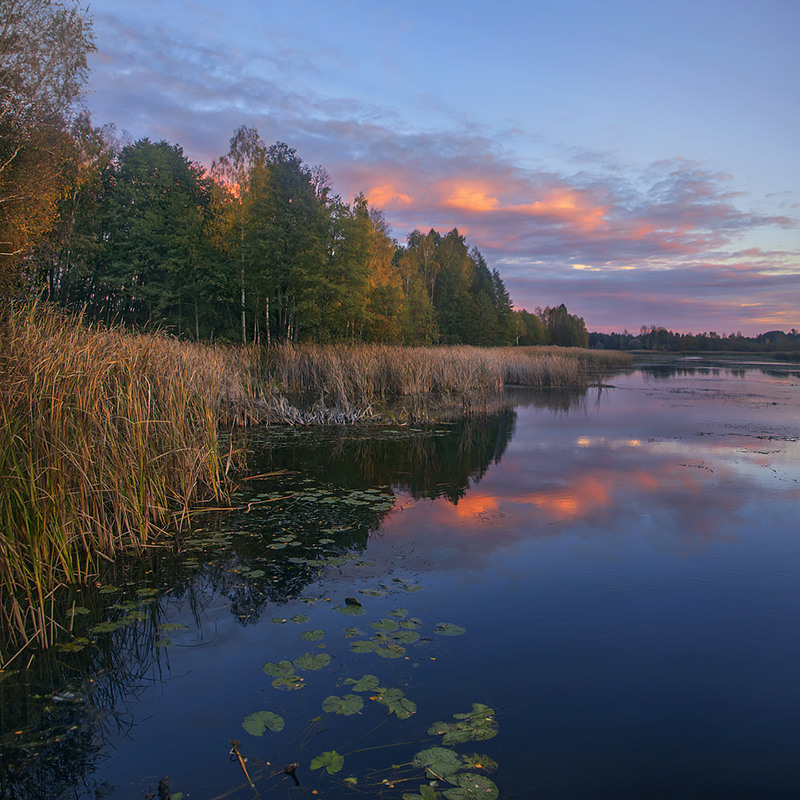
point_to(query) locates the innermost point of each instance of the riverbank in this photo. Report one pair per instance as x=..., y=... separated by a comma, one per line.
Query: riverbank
x=109, y=440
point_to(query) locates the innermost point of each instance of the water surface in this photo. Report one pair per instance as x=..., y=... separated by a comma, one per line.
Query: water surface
x=624, y=565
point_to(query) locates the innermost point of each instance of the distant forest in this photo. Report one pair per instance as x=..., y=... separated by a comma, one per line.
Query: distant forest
x=654, y=338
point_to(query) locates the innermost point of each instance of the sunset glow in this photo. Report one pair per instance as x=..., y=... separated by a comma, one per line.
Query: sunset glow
x=634, y=193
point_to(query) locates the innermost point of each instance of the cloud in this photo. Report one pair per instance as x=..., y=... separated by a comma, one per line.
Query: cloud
x=620, y=245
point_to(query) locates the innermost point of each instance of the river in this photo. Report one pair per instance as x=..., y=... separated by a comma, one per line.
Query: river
x=599, y=592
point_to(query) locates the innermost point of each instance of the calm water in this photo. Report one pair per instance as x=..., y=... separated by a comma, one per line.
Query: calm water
x=621, y=571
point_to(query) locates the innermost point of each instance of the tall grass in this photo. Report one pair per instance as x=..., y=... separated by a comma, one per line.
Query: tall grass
x=106, y=440
x=109, y=439
x=362, y=375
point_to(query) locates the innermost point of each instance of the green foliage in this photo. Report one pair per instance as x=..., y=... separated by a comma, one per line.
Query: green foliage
x=311, y=663
x=472, y=786
x=330, y=760
x=260, y=721
x=476, y=725
x=347, y=705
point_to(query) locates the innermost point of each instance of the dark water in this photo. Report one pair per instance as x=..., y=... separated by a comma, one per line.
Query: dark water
x=625, y=566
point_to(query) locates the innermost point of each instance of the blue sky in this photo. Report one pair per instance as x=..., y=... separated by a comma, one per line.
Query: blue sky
x=636, y=161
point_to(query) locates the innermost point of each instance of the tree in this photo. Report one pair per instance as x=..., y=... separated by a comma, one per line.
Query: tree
x=235, y=174
x=43, y=67
x=154, y=229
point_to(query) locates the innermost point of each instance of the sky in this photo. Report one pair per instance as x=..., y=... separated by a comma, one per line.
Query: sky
x=637, y=161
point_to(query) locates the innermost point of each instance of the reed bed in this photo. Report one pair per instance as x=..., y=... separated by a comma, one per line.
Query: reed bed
x=362, y=375
x=109, y=439
x=106, y=441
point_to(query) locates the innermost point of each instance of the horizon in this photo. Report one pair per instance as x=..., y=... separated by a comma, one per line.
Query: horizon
x=630, y=163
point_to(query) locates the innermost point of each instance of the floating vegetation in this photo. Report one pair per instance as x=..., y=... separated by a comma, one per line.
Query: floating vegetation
x=330, y=760
x=449, y=629
x=347, y=705
x=284, y=675
x=311, y=663
x=476, y=725
x=260, y=721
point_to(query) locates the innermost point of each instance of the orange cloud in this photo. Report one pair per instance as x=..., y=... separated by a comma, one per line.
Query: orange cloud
x=569, y=206
x=472, y=198
x=385, y=194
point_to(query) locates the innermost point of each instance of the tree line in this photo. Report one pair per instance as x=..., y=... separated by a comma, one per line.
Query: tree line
x=657, y=338
x=255, y=249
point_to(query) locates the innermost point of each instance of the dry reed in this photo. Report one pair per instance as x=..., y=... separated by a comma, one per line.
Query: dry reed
x=109, y=439
x=106, y=440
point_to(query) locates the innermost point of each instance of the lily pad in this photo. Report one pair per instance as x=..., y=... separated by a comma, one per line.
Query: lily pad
x=364, y=684
x=476, y=725
x=385, y=625
x=479, y=761
x=398, y=612
x=411, y=624
x=310, y=663
x=390, y=650
x=439, y=762
x=396, y=701
x=472, y=786
x=283, y=669
x=351, y=608
x=348, y=705
x=299, y=619
x=426, y=792
x=260, y=721
x=363, y=647
x=331, y=760
x=312, y=636
x=449, y=629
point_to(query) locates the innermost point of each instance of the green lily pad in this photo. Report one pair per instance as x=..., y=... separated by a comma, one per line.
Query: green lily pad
x=78, y=610
x=449, y=629
x=107, y=627
x=396, y=701
x=260, y=721
x=411, y=624
x=299, y=619
x=439, y=762
x=413, y=587
x=398, y=612
x=476, y=725
x=165, y=642
x=351, y=608
x=363, y=647
x=366, y=683
x=283, y=669
x=310, y=663
x=312, y=636
x=385, y=625
x=284, y=674
x=331, y=760
x=426, y=792
x=390, y=650
x=348, y=705
x=479, y=761
x=351, y=632
x=472, y=786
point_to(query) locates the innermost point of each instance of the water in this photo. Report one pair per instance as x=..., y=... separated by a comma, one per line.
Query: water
x=624, y=565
